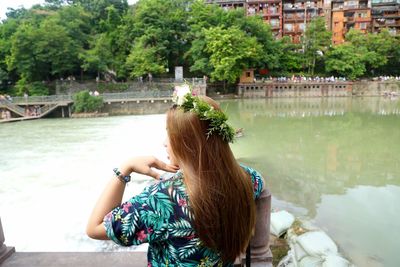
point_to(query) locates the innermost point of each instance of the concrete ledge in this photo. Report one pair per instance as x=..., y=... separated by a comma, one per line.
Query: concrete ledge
x=6, y=253
x=76, y=259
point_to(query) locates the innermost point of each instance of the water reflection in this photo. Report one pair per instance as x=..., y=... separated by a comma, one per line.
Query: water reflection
x=318, y=149
x=334, y=161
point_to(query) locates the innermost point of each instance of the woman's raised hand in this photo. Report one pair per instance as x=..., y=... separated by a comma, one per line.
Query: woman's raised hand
x=144, y=165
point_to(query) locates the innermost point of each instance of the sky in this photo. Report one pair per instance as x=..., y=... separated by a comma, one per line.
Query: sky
x=4, y=4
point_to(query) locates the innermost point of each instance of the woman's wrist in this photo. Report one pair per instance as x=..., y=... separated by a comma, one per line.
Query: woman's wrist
x=125, y=170
x=123, y=174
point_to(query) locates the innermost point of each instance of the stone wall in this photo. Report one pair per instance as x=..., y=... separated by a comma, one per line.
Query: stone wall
x=375, y=88
x=318, y=89
x=139, y=107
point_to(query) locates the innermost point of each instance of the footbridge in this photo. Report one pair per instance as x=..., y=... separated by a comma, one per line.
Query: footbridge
x=36, y=107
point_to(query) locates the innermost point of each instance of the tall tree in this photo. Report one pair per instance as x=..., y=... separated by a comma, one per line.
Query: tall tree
x=41, y=53
x=205, y=16
x=290, y=60
x=316, y=41
x=346, y=60
x=378, y=48
x=99, y=12
x=145, y=59
x=231, y=52
x=202, y=16
x=98, y=58
x=164, y=35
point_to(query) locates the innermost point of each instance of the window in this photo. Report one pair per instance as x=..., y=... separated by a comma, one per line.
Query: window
x=362, y=15
x=288, y=27
x=274, y=22
x=363, y=26
x=248, y=74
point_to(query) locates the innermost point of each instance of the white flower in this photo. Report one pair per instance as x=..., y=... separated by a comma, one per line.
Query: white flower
x=180, y=93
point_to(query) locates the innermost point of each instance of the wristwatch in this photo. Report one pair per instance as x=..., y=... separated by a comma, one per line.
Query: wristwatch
x=126, y=179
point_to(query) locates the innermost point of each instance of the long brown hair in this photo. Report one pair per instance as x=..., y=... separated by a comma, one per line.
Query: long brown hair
x=220, y=191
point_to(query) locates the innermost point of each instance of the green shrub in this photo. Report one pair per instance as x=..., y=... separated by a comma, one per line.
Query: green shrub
x=35, y=88
x=84, y=102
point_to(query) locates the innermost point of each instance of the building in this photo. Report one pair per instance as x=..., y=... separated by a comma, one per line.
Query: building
x=386, y=14
x=290, y=17
x=347, y=14
x=228, y=4
x=296, y=15
x=270, y=11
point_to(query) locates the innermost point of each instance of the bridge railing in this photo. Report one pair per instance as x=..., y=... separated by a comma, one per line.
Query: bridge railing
x=42, y=99
x=139, y=94
x=12, y=107
x=106, y=97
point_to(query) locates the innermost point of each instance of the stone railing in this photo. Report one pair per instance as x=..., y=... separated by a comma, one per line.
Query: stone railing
x=5, y=251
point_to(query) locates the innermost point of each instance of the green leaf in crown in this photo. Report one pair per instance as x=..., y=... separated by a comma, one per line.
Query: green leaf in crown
x=184, y=98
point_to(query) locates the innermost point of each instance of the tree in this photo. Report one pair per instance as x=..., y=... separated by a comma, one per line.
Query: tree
x=378, y=48
x=7, y=29
x=202, y=16
x=41, y=53
x=205, y=16
x=346, y=60
x=316, y=41
x=145, y=59
x=393, y=65
x=289, y=58
x=167, y=34
x=99, y=10
x=231, y=52
x=98, y=58
x=254, y=26
x=84, y=102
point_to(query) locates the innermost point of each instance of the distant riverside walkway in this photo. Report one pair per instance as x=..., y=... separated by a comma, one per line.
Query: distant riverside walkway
x=44, y=105
x=137, y=102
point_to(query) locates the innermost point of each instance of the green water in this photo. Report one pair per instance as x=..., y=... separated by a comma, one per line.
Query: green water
x=335, y=162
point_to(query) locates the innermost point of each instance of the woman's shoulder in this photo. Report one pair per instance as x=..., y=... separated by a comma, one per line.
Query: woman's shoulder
x=256, y=179
x=168, y=181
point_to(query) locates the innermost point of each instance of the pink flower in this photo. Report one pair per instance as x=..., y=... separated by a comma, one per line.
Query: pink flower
x=149, y=230
x=108, y=217
x=182, y=202
x=255, y=185
x=126, y=206
x=141, y=235
x=149, y=264
x=190, y=237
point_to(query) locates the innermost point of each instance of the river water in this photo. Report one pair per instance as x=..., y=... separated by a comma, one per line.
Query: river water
x=334, y=162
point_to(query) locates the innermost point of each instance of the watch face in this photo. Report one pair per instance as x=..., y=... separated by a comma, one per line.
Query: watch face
x=127, y=179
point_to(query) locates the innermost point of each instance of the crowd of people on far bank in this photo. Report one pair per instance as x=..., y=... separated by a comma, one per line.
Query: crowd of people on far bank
x=301, y=79
x=5, y=114
x=32, y=111
x=5, y=98
x=331, y=79
x=386, y=78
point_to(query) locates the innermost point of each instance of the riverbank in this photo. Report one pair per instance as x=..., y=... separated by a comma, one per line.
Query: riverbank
x=318, y=89
x=89, y=115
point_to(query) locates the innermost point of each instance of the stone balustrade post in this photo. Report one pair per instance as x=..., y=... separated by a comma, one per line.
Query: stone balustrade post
x=5, y=251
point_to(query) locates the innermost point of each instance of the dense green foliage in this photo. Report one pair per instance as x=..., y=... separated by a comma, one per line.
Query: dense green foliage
x=84, y=102
x=365, y=55
x=99, y=38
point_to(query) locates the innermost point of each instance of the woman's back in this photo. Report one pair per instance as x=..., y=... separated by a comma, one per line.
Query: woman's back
x=161, y=216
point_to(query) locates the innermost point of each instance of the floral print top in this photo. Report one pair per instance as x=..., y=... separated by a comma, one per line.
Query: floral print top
x=160, y=216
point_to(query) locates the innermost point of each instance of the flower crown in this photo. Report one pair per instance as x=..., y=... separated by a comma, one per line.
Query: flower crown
x=184, y=98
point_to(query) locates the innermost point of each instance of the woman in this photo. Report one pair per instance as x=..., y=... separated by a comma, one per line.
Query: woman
x=202, y=215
